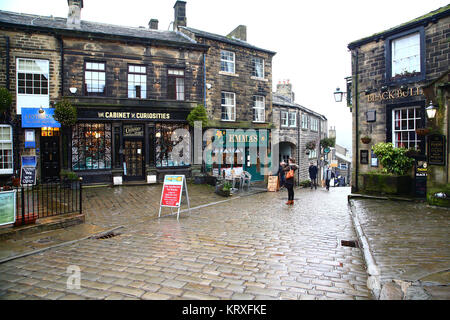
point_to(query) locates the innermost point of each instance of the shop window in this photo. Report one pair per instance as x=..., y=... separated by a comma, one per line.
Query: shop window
x=259, y=109
x=137, y=82
x=227, y=61
x=49, y=132
x=258, y=67
x=165, y=147
x=6, y=149
x=91, y=146
x=94, y=78
x=228, y=106
x=405, y=122
x=175, y=84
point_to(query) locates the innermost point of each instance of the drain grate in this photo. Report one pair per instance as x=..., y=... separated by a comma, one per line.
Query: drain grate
x=108, y=235
x=350, y=243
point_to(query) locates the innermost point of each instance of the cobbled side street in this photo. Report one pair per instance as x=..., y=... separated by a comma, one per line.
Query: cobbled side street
x=252, y=247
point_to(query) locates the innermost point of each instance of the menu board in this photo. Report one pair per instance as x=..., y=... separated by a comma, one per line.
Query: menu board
x=364, y=157
x=272, y=185
x=436, y=149
x=420, y=179
x=28, y=176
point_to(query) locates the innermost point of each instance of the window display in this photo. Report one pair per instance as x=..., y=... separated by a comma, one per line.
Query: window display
x=91, y=146
x=165, y=145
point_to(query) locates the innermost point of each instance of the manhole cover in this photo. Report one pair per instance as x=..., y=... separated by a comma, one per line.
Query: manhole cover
x=350, y=243
x=107, y=235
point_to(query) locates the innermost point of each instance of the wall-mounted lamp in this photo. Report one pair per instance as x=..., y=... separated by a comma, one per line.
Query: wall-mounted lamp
x=338, y=94
x=384, y=89
x=41, y=110
x=404, y=88
x=73, y=90
x=431, y=110
x=208, y=86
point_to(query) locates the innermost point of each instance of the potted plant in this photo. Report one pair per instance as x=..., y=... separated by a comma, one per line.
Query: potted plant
x=224, y=189
x=65, y=113
x=311, y=145
x=29, y=218
x=366, y=139
x=198, y=114
x=68, y=177
x=328, y=143
x=5, y=100
x=423, y=131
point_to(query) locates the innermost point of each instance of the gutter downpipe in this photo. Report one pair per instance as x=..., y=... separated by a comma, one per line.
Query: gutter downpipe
x=356, y=95
x=204, y=79
x=61, y=44
x=7, y=62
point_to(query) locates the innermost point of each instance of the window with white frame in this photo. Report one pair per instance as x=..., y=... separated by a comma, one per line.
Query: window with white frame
x=405, y=122
x=32, y=83
x=312, y=154
x=284, y=118
x=314, y=124
x=137, y=82
x=304, y=121
x=95, y=78
x=227, y=63
x=228, y=106
x=175, y=84
x=258, y=67
x=405, y=52
x=6, y=149
x=292, y=119
x=259, y=109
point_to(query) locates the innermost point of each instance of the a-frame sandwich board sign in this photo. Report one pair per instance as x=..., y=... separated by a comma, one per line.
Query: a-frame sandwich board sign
x=171, y=193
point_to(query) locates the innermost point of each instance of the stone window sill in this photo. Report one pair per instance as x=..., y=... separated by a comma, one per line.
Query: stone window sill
x=259, y=79
x=228, y=74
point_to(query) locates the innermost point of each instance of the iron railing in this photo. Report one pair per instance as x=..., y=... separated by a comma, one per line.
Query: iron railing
x=49, y=199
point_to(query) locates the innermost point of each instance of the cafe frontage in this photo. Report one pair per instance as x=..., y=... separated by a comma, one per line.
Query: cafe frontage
x=130, y=144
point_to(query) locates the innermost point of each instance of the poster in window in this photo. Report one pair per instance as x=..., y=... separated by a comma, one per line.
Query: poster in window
x=374, y=160
x=364, y=157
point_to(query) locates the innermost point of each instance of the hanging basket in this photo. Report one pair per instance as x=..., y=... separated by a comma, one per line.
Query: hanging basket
x=366, y=140
x=422, y=131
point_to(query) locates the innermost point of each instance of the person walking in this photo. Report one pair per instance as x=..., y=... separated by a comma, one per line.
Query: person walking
x=289, y=184
x=327, y=176
x=281, y=174
x=313, y=175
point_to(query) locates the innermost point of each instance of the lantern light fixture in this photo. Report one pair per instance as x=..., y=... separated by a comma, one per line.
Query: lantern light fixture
x=41, y=110
x=338, y=94
x=431, y=110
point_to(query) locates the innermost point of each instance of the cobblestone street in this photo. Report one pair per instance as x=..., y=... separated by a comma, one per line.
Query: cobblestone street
x=252, y=247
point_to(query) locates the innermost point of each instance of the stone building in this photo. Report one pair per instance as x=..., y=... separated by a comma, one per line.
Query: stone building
x=238, y=95
x=297, y=127
x=132, y=87
x=390, y=72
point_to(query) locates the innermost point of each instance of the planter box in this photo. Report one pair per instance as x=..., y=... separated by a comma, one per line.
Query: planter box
x=387, y=184
x=29, y=219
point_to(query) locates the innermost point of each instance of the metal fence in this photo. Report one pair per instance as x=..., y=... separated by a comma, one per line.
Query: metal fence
x=49, y=199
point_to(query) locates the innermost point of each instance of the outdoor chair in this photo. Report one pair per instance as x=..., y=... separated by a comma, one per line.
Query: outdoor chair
x=245, y=180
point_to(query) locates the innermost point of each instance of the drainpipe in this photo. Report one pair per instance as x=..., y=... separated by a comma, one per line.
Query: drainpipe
x=7, y=62
x=61, y=48
x=204, y=79
x=356, y=95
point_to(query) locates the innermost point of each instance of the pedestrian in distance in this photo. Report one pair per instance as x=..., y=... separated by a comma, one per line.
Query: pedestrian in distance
x=281, y=174
x=289, y=184
x=328, y=174
x=313, y=175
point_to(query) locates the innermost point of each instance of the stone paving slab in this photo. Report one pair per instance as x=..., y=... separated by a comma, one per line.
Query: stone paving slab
x=410, y=246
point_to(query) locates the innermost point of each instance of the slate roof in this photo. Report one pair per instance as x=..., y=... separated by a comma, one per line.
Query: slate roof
x=229, y=40
x=422, y=20
x=283, y=101
x=53, y=24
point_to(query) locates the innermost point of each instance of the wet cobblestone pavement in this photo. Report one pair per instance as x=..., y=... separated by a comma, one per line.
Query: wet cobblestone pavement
x=252, y=247
x=409, y=242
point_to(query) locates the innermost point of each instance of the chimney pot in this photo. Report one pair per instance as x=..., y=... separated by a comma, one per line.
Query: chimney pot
x=240, y=33
x=74, y=15
x=180, y=15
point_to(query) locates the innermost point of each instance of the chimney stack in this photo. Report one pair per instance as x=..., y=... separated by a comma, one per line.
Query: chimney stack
x=74, y=16
x=180, y=15
x=153, y=24
x=285, y=89
x=239, y=33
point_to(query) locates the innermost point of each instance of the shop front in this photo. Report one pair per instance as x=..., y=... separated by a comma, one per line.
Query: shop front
x=232, y=151
x=130, y=144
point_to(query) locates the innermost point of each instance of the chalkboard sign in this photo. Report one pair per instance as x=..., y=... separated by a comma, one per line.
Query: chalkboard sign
x=364, y=157
x=421, y=172
x=28, y=176
x=272, y=185
x=436, y=149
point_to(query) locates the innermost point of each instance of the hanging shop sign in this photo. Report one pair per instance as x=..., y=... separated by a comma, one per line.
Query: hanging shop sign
x=436, y=149
x=394, y=94
x=7, y=207
x=172, y=191
x=31, y=118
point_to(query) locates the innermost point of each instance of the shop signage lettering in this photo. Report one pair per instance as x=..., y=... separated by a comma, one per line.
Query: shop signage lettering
x=394, y=94
x=31, y=118
x=436, y=149
x=242, y=138
x=133, y=115
x=133, y=131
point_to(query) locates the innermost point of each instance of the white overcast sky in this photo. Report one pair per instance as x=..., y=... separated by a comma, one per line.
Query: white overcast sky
x=310, y=37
